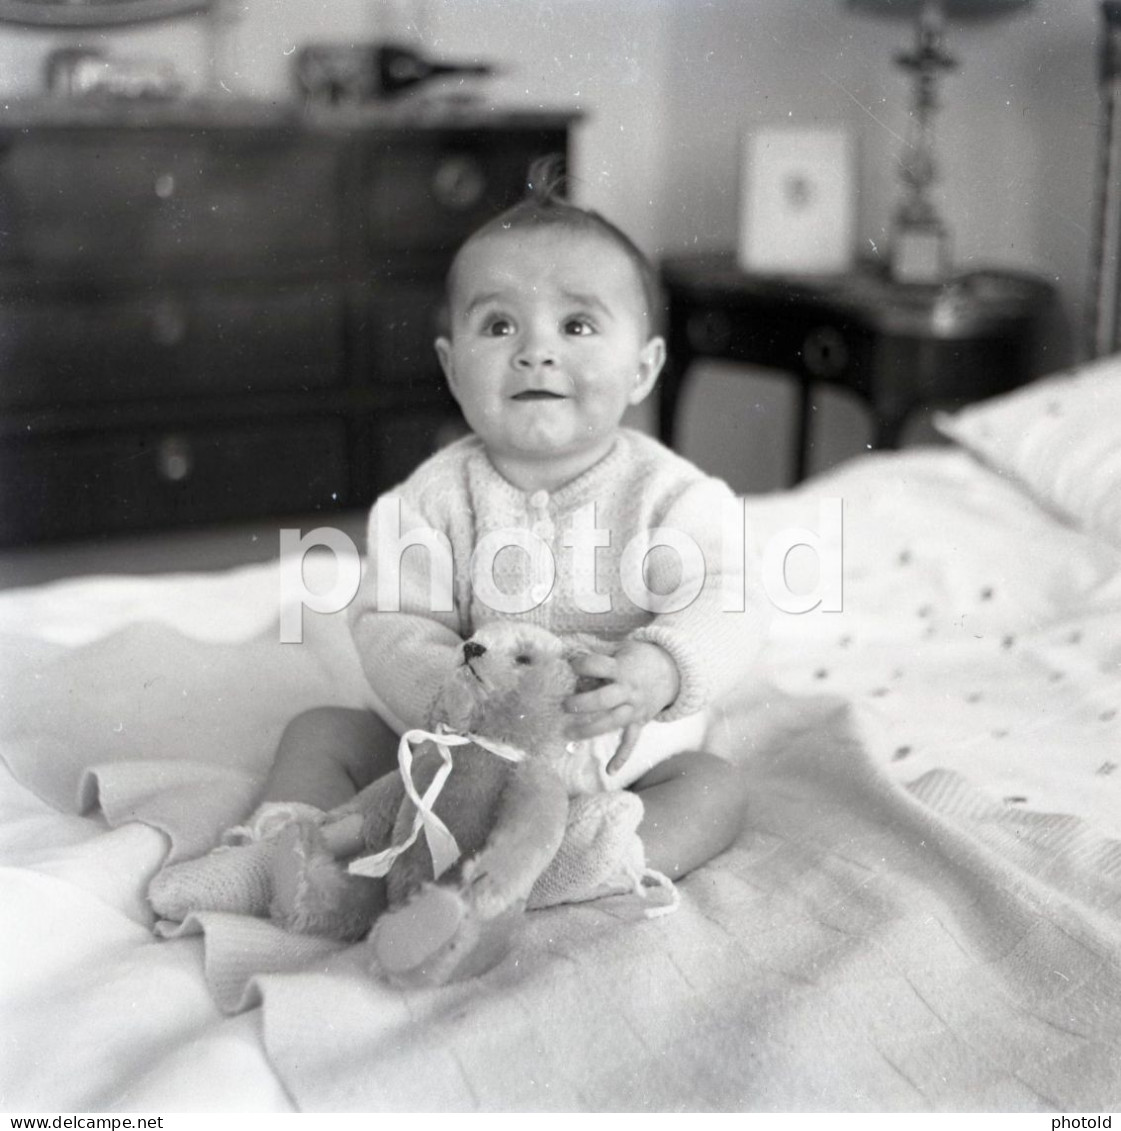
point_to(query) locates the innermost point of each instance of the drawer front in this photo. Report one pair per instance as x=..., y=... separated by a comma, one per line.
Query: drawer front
x=402, y=444
x=398, y=331
x=166, y=344
x=430, y=193
x=390, y=445
x=85, y=485
x=126, y=199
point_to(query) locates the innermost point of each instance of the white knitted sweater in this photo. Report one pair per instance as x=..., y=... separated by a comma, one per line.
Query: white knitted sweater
x=639, y=486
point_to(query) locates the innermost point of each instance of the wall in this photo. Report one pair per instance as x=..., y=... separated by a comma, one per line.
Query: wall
x=669, y=88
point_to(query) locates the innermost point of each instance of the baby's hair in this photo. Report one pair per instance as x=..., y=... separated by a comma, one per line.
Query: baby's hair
x=545, y=206
x=545, y=182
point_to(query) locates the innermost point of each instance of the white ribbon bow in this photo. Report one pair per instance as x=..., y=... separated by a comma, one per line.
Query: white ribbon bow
x=441, y=844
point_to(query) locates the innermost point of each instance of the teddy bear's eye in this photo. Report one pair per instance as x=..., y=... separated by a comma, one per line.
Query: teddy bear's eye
x=522, y=658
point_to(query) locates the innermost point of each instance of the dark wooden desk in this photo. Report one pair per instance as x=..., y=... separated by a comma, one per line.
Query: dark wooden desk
x=897, y=347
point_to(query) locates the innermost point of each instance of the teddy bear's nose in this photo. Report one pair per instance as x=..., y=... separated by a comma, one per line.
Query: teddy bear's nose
x=472, y=649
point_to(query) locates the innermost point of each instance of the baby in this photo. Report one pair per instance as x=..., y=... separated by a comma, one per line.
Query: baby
x=550, y=510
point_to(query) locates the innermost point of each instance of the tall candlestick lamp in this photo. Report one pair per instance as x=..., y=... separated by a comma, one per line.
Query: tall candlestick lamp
x=920, y=247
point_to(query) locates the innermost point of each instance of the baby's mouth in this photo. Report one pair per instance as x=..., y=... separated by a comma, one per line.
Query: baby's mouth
x=538, y=395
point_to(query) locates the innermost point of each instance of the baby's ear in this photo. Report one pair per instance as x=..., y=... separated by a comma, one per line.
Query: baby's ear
x=446, y=356
x=651, y=359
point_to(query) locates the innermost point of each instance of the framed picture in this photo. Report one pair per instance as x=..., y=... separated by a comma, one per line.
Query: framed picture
x=797, y=201
x=95, y=13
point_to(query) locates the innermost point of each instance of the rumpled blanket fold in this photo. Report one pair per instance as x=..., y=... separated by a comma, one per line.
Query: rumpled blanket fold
x=864, y=945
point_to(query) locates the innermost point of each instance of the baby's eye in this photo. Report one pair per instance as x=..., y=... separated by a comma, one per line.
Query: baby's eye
x=522, y=658
x=579, y=327
x=498, y=327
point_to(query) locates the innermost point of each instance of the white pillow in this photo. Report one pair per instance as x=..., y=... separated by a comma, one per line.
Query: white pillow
x=1060, y=437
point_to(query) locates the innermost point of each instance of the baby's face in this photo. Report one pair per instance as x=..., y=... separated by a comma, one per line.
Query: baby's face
x=549, y=343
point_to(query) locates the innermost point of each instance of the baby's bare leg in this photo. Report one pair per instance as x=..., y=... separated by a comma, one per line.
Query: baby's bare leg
x=326, y=755
x=695, y=804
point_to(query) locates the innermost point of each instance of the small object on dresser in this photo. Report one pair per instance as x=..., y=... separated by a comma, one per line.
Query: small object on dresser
x=344, y=73
x=74, y=72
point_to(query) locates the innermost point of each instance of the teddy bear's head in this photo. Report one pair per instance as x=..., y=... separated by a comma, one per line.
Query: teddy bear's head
x=510, y=685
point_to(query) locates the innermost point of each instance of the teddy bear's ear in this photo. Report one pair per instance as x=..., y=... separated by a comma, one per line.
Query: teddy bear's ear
x=581, y=643
x=589, y=683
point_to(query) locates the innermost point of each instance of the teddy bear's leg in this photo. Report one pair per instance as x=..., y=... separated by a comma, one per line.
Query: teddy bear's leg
x=312, y=892
x=236, y=876
x=436, y=938
x=444, y=931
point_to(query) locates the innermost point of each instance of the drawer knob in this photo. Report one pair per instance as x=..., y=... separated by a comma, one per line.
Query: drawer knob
x=174, y=459
x=825, y=352
x=165, y=186
x=459, y=183
x=169, y=323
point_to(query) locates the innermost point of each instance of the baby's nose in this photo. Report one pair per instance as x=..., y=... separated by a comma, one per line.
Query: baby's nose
x=534, y=353
x=472, y=649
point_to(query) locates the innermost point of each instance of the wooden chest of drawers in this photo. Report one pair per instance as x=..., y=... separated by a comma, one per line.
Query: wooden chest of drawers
x=209, y=316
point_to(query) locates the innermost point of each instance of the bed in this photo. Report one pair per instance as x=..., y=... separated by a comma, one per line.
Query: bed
x=922, y=913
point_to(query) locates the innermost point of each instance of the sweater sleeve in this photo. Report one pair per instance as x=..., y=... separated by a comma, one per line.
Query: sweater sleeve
x=405, y=620
x=716, y=638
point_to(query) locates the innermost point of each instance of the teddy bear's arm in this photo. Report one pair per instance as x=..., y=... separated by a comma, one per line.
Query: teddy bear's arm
x=528, y=830
x=365, y=822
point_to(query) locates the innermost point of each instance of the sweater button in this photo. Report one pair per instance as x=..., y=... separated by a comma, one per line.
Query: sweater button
x=539, y=500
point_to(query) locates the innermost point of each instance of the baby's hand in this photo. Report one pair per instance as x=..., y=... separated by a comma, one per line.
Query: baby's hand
x=642, y=680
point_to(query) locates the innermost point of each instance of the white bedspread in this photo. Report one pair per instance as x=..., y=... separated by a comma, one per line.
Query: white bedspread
x=901, y=925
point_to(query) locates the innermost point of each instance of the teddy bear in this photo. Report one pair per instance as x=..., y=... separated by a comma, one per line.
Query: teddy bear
x=435, y=865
